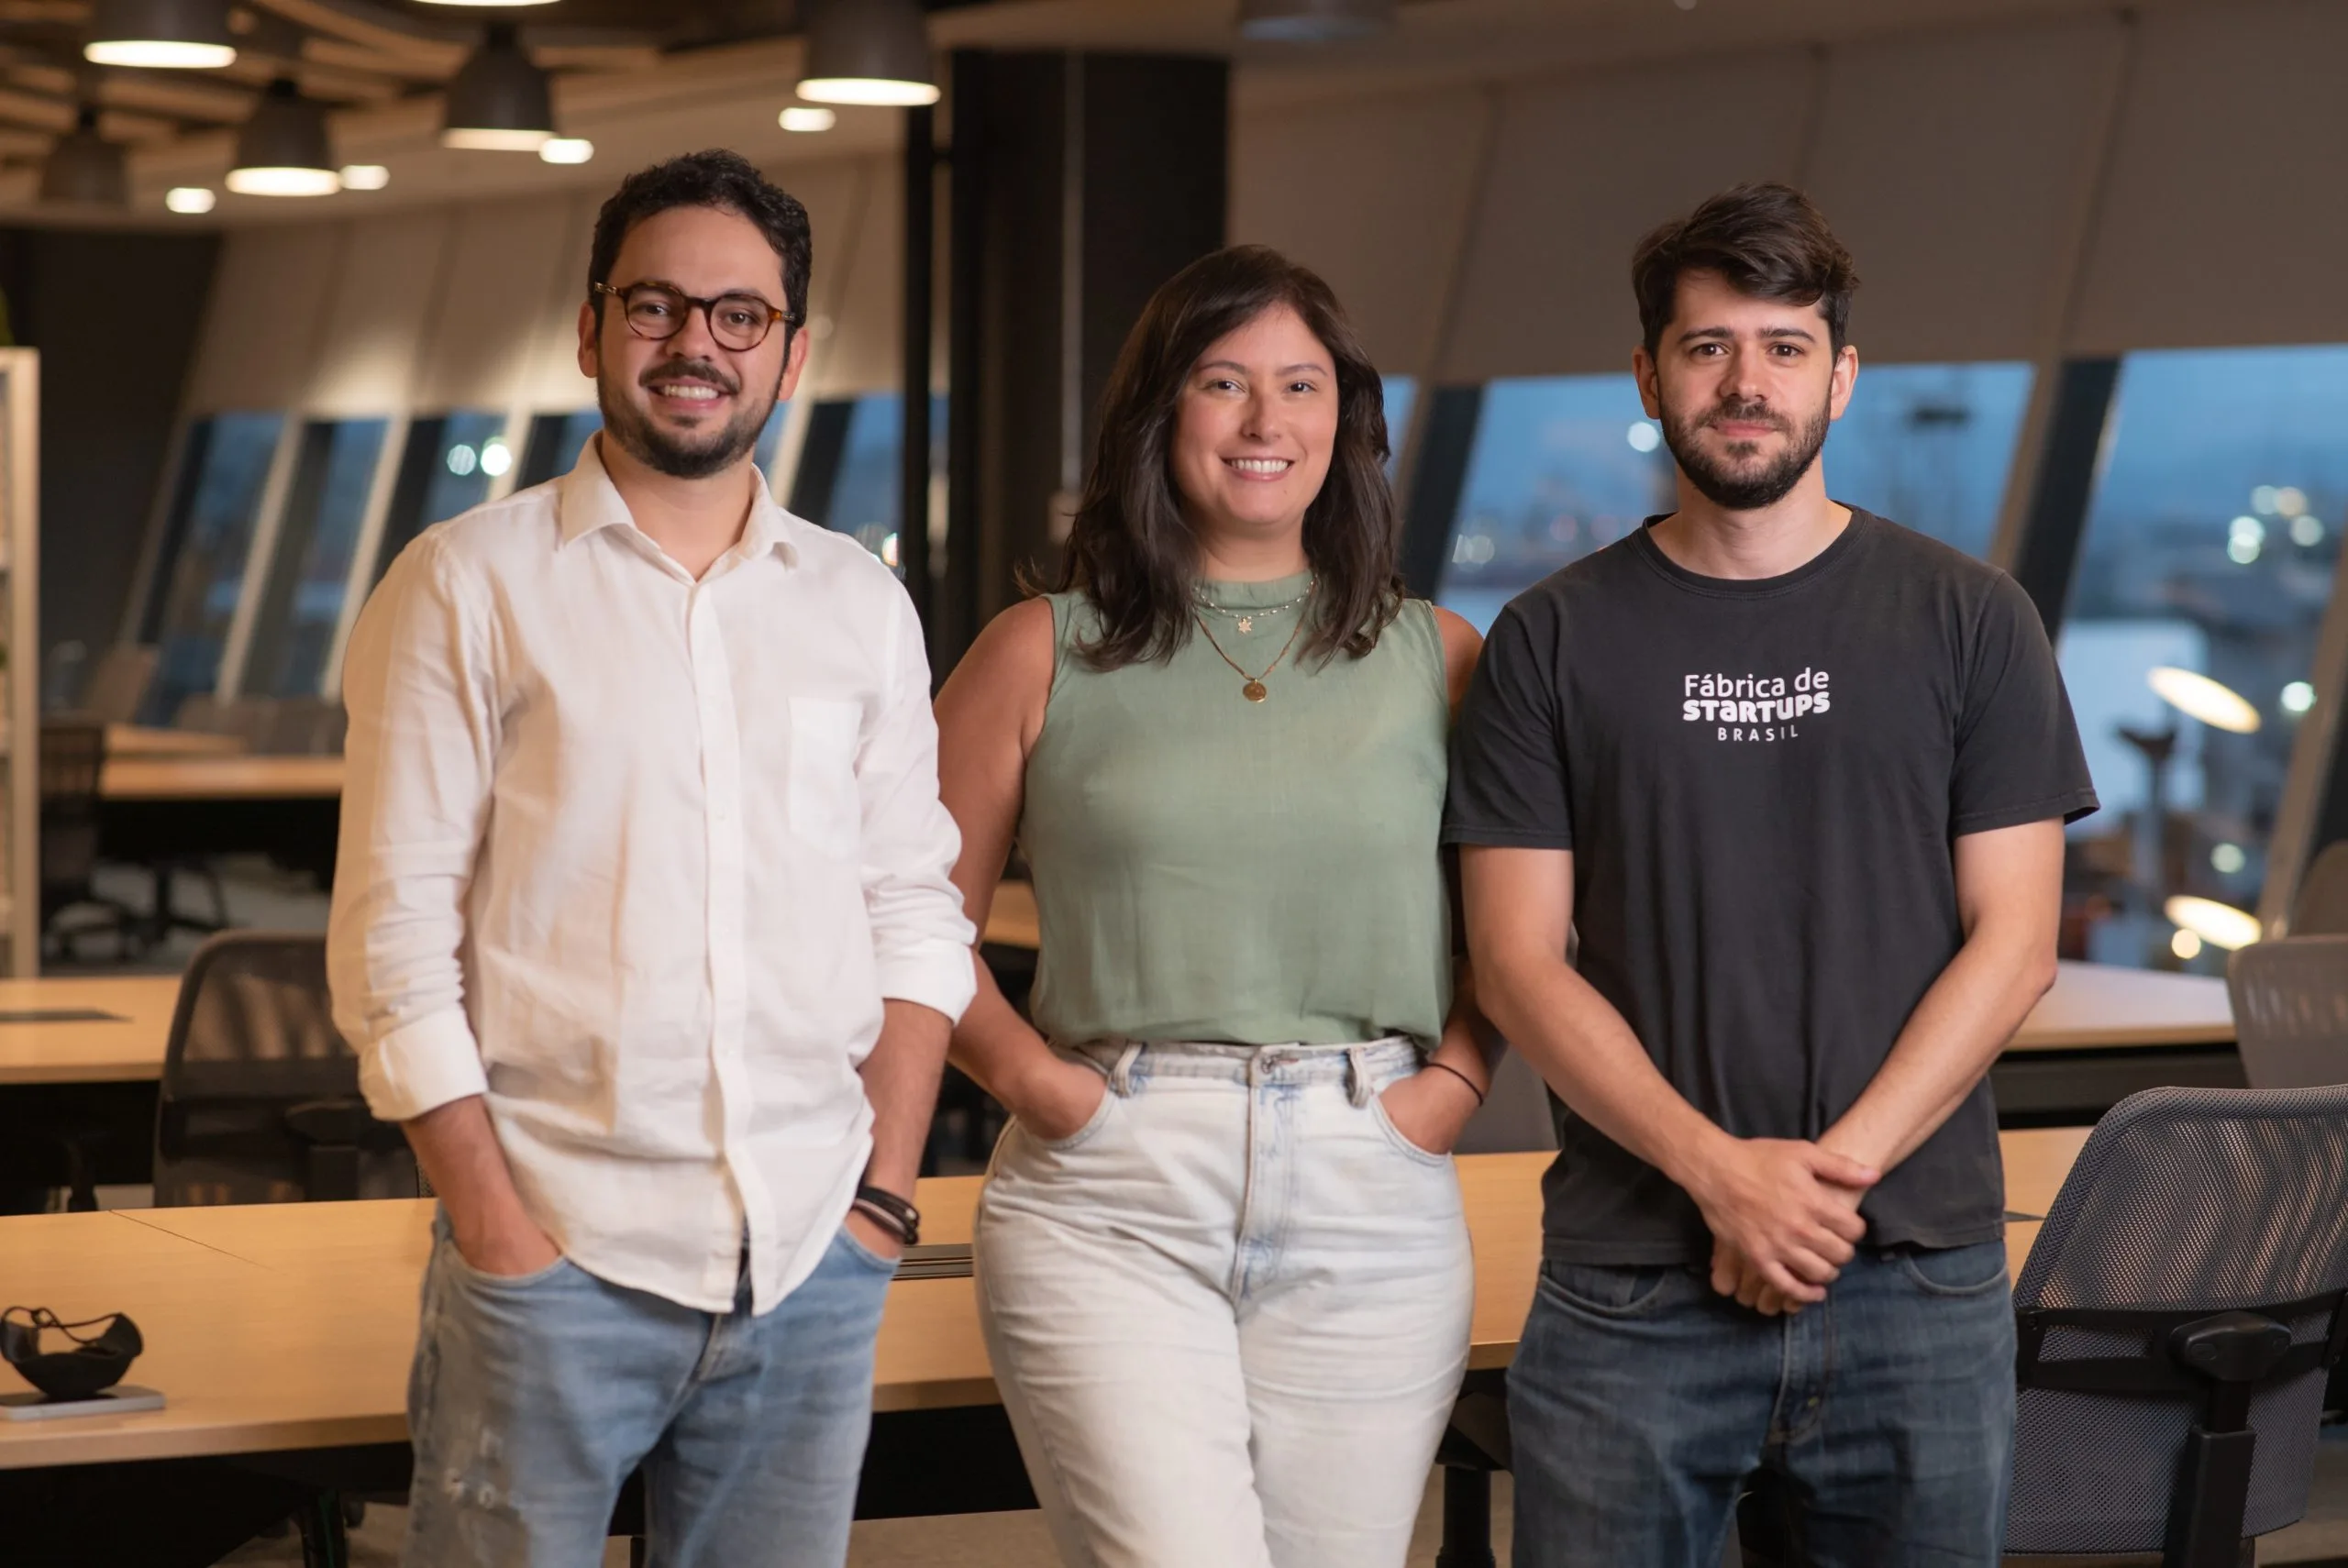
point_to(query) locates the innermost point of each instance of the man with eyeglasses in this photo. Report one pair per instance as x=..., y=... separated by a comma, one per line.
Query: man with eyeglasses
x=643, y=931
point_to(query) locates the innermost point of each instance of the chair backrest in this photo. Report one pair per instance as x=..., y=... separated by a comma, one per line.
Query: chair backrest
x=1516, y=1117
x=252, y=1036
x=2321, y=907
x=2183, y=1200
x=2290, y=1002
x=72, y=761
x=306, y=727
x=252, y=720
x=118, y=682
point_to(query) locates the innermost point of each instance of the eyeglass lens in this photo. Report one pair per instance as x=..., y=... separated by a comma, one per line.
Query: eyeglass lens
x=736, y=321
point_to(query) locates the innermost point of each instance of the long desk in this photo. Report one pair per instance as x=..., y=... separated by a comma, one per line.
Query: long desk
x=2104, y=1033
x=69, y=1078
x=156, y=809
x=43, y=1041
x=273, y=1328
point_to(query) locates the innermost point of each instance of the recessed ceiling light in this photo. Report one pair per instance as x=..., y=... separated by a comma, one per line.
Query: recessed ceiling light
x=808, y=117
x=165, y=35
x=189, y=199
x=565, y=149
x=867, y=51
x=365, y=176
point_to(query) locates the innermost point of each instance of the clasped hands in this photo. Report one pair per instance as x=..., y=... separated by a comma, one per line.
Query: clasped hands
x=1784, y=1215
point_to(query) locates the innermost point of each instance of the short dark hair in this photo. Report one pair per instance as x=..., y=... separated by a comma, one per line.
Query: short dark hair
x=1768, y=240
x=1131, y=553
x=717, y=178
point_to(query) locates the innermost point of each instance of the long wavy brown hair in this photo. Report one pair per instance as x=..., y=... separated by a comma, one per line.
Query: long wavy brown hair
x=1130, y=550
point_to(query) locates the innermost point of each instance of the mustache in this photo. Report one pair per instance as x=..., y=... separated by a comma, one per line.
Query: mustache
x=690, y=370
x=1752, y=412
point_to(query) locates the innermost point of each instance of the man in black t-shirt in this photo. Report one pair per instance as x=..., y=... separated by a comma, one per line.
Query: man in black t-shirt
x=1797, y=776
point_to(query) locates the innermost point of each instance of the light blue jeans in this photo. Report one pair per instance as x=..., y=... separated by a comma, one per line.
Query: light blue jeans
x=1228, y=1315
x=532, y=1399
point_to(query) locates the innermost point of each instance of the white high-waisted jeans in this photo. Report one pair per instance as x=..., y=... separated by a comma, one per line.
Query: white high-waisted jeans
x=1230, y=1314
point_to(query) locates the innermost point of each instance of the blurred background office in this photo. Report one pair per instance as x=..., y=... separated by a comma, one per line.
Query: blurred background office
x=302, y=276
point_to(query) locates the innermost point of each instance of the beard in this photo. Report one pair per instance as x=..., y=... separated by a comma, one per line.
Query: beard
x=685, y=457
x=1742, y=489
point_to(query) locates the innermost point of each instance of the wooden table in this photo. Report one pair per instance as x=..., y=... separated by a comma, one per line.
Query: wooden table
x=2104, y=1033
x=1011, y=919
x=142, y=740
x=127, y=1047
x=86, y=1084
x=290, y=1326
x=160, y=811
x=221, y=778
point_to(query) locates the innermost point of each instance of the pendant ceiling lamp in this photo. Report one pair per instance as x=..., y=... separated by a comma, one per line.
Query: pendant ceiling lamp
x=1313, y=21
x=499, y=101
x=187, y=35
x=867, y=51
x=85, y=169
x=282, y=149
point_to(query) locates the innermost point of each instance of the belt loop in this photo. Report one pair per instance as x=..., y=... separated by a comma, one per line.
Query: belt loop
x=1358, y=1076
x=1121, y=1077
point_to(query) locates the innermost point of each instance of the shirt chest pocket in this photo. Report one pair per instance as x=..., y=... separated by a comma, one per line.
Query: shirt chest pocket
x=824, y=807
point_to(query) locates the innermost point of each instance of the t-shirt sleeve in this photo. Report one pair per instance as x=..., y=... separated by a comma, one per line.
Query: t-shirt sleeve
x=1508, y=753
x=2018, y=754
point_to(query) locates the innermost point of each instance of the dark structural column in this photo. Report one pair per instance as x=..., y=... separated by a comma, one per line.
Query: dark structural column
x=2057, y=518
x=1446, y=443
x=1080, y=182
x=913, y=480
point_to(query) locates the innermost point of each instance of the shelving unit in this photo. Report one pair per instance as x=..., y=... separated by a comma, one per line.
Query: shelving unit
x=20, y=657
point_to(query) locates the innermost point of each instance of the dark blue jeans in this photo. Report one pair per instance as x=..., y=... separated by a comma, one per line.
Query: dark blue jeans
x=1882, y=1419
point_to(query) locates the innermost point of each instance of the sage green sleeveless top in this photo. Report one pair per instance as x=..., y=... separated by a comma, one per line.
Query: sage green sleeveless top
x=1211, y=868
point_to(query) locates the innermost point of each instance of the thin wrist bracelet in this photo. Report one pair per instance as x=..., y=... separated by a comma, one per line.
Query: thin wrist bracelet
x=1461, y=1077
x=891, y=1211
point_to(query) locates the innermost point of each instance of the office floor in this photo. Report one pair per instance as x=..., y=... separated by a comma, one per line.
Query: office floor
x=1019, y=1541
x=964, y=1540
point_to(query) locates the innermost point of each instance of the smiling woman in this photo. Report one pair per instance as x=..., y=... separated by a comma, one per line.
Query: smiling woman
x=1230, y=818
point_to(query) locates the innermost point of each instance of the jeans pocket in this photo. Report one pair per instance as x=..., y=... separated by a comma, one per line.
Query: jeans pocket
x=865, y=1254
x=1609, y=1290
x=473, y=1278
x=1082, y=1135
x=1975, y=1270
x=1402, y=1145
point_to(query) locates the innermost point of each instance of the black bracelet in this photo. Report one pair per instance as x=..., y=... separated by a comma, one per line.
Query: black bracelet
x=891, y=1211
x=1462, y=1078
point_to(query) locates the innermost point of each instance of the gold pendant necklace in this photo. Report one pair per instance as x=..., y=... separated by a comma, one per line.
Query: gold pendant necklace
x=1253, y=689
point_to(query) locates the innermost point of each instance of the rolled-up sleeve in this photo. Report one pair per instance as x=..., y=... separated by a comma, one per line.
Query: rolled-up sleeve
x=418, y=766
x=921, y=939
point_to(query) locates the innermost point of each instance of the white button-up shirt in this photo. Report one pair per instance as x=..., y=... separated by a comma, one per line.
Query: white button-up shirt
x=637, y=857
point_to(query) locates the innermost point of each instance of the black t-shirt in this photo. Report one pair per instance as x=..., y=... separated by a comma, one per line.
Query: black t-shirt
x=1760, y=782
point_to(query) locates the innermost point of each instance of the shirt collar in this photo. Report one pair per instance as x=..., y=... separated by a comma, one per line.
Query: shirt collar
x=588, y=502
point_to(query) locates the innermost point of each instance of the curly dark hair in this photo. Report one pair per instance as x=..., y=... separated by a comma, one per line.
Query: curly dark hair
x=1131, y=552
x=720, y=179
x=1768, y=240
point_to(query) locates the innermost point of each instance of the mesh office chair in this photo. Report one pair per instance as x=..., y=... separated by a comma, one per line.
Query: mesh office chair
x=72, y=761
x=260, y=1097
x=2321, y=908
x=2290, y=1002
x=2177, y=1320
x=118, y=682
